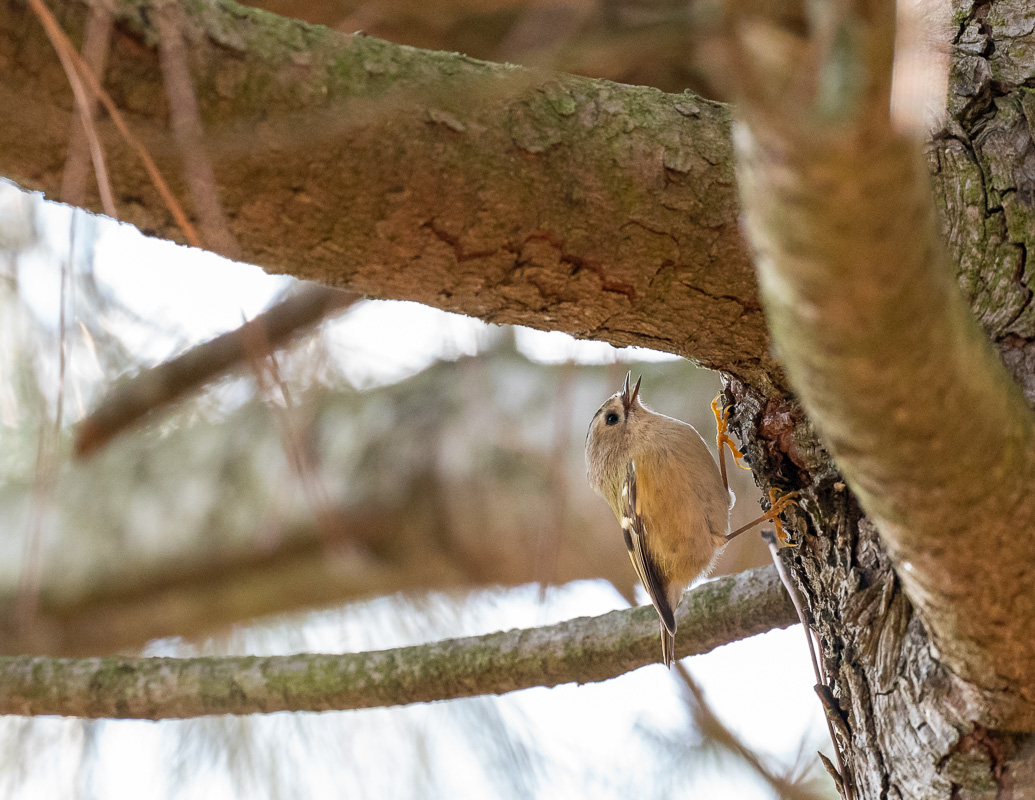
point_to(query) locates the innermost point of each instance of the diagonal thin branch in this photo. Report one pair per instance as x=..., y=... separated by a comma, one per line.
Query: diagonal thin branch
x=581, y=650
x=66, y=50
x=82, y=144
x=188, y=129
x=159, y=386
x=73, y=65
x=715, y=730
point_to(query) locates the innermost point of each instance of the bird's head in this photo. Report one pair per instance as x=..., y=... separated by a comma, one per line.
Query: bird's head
x=613, y=426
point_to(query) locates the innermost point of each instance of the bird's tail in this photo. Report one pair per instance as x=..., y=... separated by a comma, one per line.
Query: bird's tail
x=668, y=646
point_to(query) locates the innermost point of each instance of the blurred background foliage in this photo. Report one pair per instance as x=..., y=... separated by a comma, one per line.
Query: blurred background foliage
x=413, y=476
x=468, y=473
x=643, y=42
x=454, y=472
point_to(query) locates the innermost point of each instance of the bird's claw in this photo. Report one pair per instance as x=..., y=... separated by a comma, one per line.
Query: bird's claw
x=779, y=504
x=722, y=425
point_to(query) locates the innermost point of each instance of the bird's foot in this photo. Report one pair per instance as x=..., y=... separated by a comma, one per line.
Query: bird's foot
x=722, y=439
x=779, y=504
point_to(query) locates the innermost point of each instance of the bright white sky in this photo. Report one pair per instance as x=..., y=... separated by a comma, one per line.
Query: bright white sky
x=762, y=687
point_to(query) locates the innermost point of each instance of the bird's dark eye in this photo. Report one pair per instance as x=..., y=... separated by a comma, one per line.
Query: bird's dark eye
x=611, y=418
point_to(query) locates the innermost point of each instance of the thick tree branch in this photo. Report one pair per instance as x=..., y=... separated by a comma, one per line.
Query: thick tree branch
x=584, y=650
x=556, y=202
x=562, y=203
x=934, y=437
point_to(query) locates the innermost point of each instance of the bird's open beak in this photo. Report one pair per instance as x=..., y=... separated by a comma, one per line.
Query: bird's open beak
x=629, y=395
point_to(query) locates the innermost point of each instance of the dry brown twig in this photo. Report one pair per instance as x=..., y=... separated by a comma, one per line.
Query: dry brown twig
x=81, y=144
x=189, y=131
x=30, y=574
x=66, y=51
x=73, y=65
x=157, y=387
x=838, y=773
x=714, y=729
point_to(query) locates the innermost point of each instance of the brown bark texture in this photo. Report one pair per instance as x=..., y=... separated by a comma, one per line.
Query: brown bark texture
x=924, y=605
x=550, y=201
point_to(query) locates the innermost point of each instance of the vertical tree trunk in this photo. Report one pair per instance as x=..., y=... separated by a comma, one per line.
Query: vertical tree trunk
x=908, y=727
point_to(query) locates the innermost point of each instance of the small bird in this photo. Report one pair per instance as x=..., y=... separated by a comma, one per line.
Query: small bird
x=671, y=499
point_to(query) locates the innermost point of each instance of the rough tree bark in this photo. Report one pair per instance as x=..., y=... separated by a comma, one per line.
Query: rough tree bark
x=925, y=607
x=608, y=212
x=550, y=201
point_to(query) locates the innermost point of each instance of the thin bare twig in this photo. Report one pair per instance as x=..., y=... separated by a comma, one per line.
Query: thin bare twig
x=189, y=132
x=65, y=49
x=159, y=386
x=72, y=64
x=80, y=144
x=842, y=780
x=713, y=728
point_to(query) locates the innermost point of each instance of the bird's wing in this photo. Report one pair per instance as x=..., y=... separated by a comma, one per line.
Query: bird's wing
x=646, y=569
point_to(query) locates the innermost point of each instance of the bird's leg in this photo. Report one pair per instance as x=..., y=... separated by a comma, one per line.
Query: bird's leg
x=722, y=441
x=777, y=507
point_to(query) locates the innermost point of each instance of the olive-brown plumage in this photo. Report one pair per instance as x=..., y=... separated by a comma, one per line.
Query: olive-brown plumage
x=664, y=487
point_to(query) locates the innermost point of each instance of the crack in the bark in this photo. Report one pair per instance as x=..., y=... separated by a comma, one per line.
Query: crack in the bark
x=746, y=307
x=578, y=263
x=459, y=252
x=649, y=229
x=1018, y=280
